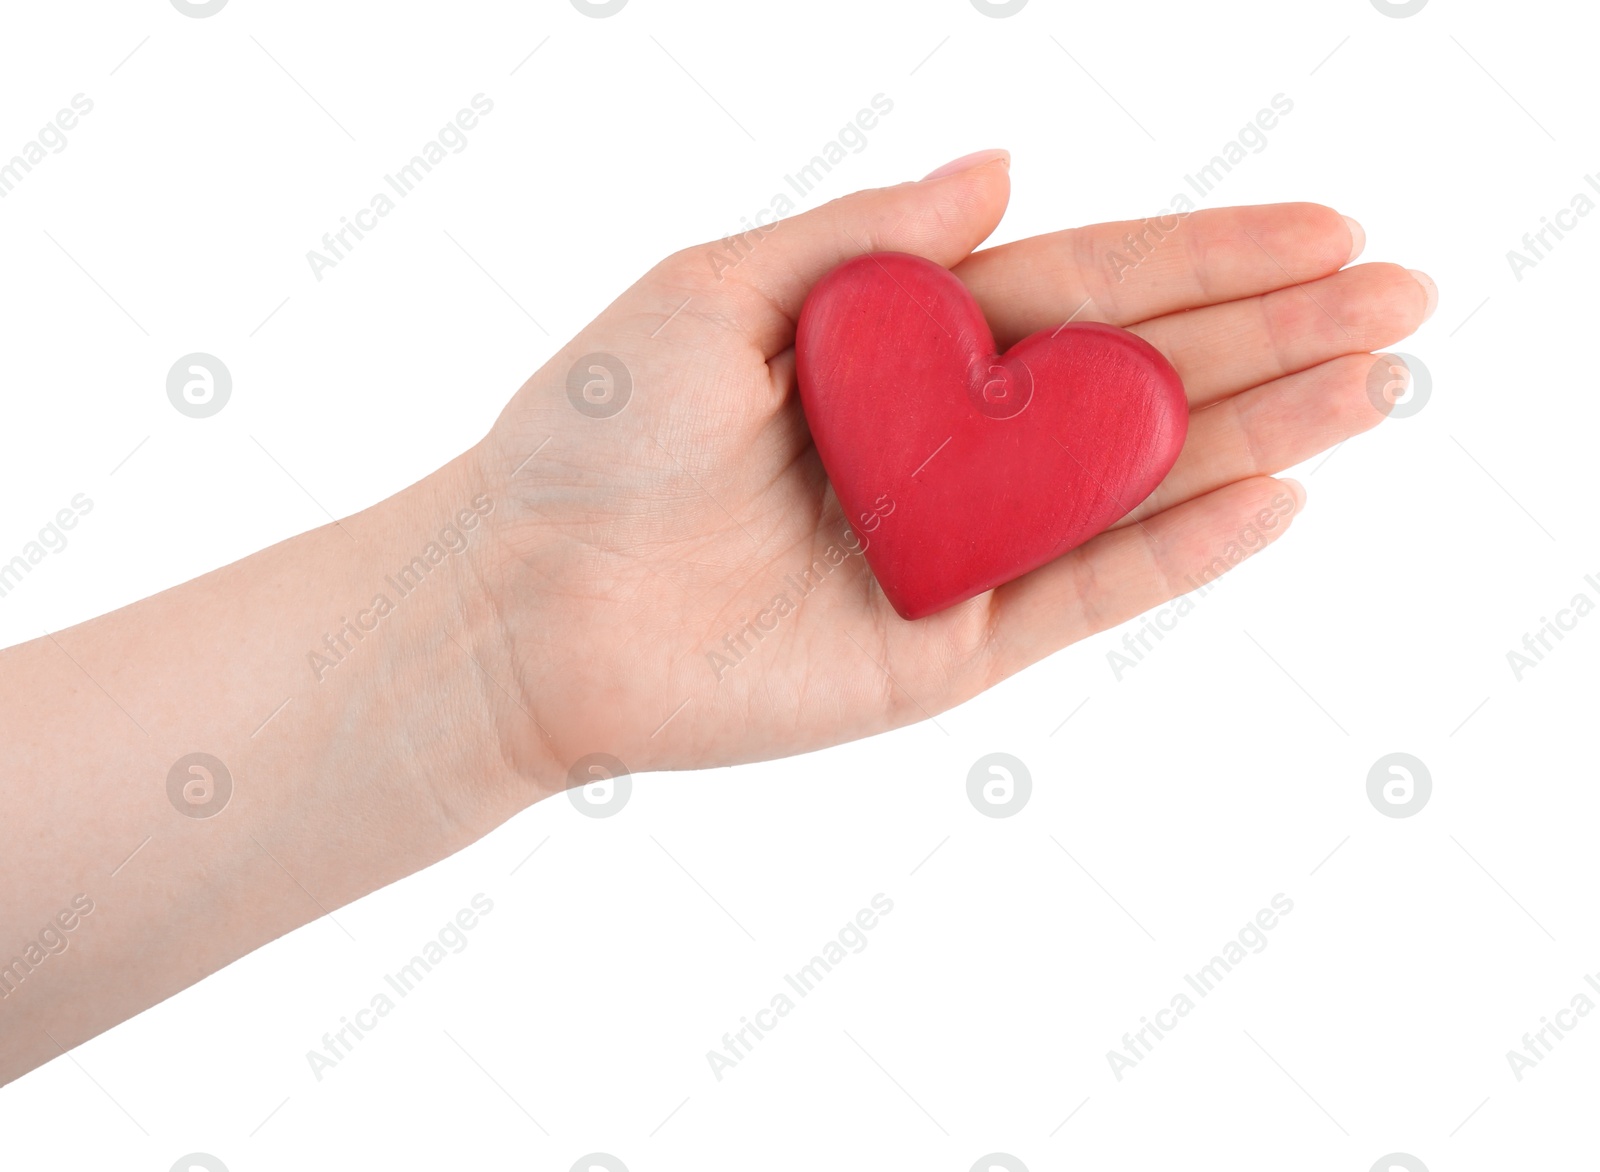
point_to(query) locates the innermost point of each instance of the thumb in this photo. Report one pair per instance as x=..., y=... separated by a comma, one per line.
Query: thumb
x=762, y=276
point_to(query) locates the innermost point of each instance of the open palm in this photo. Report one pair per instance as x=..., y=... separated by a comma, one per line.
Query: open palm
x=675, y=583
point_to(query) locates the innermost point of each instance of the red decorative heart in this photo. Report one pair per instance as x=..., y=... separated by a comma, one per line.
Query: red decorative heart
x=961, y=469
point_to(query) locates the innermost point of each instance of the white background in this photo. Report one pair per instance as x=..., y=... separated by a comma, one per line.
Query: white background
x=1173, y=804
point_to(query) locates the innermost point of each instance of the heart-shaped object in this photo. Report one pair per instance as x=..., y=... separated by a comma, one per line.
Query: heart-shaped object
x=961, y=469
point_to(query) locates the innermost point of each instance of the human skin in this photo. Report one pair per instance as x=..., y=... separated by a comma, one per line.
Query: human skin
x=607, y=558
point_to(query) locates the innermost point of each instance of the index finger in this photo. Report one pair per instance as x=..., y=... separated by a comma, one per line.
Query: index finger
x=1129, y=271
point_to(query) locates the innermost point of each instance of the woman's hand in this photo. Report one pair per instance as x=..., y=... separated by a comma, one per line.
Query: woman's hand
x=643, y=532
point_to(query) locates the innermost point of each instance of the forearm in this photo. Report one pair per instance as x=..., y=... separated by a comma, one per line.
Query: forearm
x=342, y=678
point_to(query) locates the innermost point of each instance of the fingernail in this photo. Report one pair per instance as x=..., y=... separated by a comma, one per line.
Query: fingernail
x=1430, y=289
x=1358, y=239
x=1298, y=489
x=967, y=162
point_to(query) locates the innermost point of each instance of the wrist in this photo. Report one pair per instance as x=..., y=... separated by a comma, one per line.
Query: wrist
x=428, y=674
